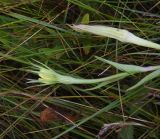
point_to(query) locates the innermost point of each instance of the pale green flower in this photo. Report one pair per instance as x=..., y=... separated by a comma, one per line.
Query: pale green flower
x=119, y=34
x=47, y=76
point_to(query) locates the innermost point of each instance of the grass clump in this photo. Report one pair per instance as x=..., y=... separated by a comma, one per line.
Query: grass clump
x=118, y=93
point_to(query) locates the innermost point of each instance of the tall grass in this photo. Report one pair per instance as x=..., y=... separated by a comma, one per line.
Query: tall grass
x=38, y=30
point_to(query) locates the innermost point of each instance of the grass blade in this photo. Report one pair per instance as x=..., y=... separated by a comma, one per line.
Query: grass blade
x=146, y=79
x=129, y=68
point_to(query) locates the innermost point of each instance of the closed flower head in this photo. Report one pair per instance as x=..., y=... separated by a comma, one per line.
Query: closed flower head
x=47, y=76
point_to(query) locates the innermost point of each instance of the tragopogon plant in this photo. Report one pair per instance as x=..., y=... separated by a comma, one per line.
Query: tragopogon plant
x=119, y=34
x=47, y=76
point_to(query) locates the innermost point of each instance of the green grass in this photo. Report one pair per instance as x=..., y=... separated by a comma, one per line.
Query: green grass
x=38, y=30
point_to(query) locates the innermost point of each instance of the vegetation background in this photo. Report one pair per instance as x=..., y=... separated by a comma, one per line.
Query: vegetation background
x=37, y=29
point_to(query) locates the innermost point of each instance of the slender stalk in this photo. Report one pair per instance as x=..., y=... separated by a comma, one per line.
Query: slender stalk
x=71, y=80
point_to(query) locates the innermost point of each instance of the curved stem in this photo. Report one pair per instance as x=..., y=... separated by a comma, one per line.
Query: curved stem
x=71, y=80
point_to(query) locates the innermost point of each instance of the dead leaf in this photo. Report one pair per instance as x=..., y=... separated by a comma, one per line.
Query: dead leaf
x=52, y=114
x=70, y=117
x=48, y=114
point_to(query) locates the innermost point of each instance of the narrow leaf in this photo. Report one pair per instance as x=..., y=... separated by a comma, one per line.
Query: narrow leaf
x=85, y=19
x=43, y=23
x=146, y=79
x=129, y=68
x=127, y=132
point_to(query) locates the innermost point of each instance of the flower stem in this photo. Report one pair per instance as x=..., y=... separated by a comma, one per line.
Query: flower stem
x=71, y=80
